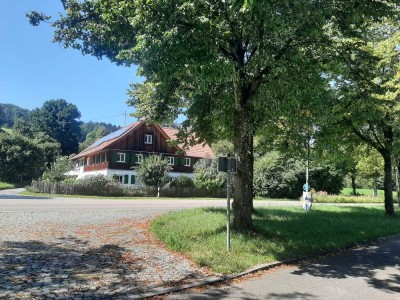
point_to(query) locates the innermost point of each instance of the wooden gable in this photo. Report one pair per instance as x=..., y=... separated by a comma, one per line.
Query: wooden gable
x=135, y=140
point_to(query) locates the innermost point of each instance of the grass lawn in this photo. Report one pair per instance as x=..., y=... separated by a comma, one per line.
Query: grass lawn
x=281, y=233
x=5, y=185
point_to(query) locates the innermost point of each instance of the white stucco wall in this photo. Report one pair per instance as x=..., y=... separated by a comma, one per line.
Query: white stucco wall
x=111, y=172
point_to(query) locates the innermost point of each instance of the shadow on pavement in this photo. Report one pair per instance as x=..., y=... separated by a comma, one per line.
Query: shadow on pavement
x=294, y=295
x=67, y=268
x=363, y=263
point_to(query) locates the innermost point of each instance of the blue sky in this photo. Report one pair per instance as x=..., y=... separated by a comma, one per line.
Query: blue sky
x=33, y=69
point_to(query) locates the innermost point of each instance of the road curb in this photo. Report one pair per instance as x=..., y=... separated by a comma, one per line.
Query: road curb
x=162, y=291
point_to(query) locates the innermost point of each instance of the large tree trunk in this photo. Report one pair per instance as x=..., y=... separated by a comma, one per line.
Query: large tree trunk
x=388, y=184
x=398, y=181
x=243, y=194
x=353, y=184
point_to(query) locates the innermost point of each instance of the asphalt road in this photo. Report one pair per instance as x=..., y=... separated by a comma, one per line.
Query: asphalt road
x=367, y=273
x=10, y=200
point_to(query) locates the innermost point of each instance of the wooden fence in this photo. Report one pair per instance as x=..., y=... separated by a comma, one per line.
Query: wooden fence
x=117, y=190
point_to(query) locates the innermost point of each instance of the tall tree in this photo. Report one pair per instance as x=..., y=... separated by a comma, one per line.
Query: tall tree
x=58, y=119
x=20, y=158
x=368, y=94
x=221, y=63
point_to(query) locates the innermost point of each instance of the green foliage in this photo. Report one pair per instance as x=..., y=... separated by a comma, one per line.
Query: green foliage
x=19, y=158
x=222, y=148
x=231, y=67
x=57, y=169
x=50, y=147
x=11, y=112
x=278, y=177
x=206, y=175
x=182, y=181
x=57, y=118
x=280, y=233
x=153, y=171
x=98, y=185
x=344, y=199
x=6, y=185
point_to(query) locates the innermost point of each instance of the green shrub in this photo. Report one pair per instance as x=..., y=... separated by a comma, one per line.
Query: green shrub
x=182, y=181
x=153, y=171
x=277, y=177
x=206, y=175
x=345, y=199
x=57, y=170
x=98, y=185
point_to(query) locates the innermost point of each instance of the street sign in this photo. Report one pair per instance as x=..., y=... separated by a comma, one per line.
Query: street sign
x=227, y=164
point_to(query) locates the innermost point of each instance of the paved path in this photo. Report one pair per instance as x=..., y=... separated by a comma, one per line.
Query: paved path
x=84, y=249
x=86, y=254
x=11, y=201
x=368, y=273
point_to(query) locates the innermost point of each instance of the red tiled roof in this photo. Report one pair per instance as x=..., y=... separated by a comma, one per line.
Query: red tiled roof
x=199, y=150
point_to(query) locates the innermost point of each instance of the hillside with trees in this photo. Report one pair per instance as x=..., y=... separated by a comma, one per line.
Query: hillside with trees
x=31, y=140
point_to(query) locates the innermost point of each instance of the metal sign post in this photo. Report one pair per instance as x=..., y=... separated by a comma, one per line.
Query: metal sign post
x=228, y=212
x=227, y=164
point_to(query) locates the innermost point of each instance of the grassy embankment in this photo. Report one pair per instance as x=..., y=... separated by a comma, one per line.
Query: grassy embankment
x=5, y=185
x=280, y=233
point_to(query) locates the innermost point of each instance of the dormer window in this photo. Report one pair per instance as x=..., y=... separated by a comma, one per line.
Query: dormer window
x=148, y=139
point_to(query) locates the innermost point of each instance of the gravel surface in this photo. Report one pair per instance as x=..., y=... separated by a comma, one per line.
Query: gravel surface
x=86, y=255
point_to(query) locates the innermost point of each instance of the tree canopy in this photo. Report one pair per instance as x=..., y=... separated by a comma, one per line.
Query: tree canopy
x=58, y=119
x=221, y=63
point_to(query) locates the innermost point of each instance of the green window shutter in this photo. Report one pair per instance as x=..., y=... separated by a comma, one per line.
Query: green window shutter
x=133, y=158
x=176, y=160
x=114, y=156
x=192, y=161
x=133, y=179
x=126, y=179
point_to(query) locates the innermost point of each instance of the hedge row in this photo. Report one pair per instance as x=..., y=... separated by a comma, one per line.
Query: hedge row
x=113, y=189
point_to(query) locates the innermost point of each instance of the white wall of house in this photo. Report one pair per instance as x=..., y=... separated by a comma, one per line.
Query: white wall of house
x=111, y=172
x=92, y=173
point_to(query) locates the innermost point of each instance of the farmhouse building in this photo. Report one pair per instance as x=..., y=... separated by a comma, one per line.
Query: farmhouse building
x=118, y=154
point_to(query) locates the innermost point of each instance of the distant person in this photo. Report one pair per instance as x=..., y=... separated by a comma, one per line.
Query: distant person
x=307, y=197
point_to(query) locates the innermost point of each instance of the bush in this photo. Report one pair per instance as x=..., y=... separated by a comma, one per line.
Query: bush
x=57, y=170
x=274, y=178
x=153, y=171
x=206, y=175
x=277, y=177
x=99, y=185
x=182, y=181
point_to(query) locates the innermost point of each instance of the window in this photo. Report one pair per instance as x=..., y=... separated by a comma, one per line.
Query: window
x=187, y=162
x=148, y=139
x=119, y=178
x=171, y=160
x=139, y=158
x=120, y=157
